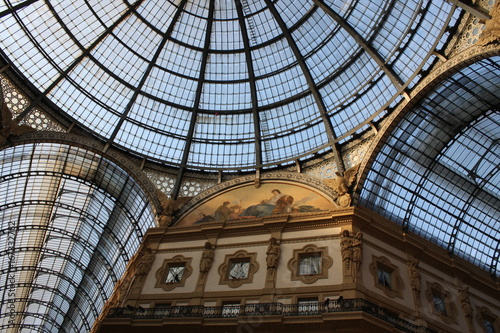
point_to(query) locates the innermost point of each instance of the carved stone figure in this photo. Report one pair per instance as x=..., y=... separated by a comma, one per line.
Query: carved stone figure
x=491, y=32
x=169, y=207
x=145, y=263
x=207, y=258
x=9, y=126
x=357, y=251
x=123, y=291
x=351, y=249
x=273, y=253
x=463, y=295
x=346, y=248
x=342, y=183
x=415, y=278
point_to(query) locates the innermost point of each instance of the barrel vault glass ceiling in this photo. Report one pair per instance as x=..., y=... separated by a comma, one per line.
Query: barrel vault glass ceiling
x=210, y=85
x=66, y=240
x=438, y=174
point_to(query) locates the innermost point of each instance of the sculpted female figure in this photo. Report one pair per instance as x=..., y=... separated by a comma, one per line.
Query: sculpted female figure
x=273, y=253
x=346, y=248
x=206, y=258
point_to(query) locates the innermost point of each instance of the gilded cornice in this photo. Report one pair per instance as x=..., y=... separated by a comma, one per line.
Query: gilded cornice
x=286, y=223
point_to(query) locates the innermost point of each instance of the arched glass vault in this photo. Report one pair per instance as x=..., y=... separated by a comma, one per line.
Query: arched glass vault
x=66, y=241
x=438, y=173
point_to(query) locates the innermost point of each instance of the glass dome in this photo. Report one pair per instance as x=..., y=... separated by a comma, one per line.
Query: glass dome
x=224, y=85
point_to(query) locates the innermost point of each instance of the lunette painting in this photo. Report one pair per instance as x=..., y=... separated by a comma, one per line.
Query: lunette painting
x=247, y=202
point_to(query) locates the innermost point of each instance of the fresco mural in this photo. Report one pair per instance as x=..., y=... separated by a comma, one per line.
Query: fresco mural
x=246, y=202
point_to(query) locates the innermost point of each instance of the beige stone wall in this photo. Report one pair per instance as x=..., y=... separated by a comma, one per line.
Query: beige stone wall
x=383, y=243
x=212, y=283
x=290, y=244
x=432, y=276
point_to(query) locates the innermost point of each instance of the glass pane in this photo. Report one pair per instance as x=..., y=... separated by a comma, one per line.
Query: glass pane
x=310, y=264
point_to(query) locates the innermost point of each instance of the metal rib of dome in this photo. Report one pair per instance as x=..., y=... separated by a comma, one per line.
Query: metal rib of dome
x=224, y=84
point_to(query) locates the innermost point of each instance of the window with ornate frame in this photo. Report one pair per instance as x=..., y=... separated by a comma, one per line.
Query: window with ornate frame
x=173, y=273
x=440, y=303
x=487, y=320
x=310, y=264
x=386, y=277
x=238, y=269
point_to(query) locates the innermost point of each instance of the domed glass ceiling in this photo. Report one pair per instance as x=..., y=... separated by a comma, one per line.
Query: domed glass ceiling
x=224, y=84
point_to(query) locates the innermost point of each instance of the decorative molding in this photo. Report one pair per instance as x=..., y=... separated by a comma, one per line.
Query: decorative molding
x=237, y=257
x=449, y=311
x=161, y=273
x=396, y=282
x=293, y=264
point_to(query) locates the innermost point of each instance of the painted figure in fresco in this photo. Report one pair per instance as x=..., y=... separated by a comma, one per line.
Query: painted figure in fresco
x=222, y=213
x=279, y=203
